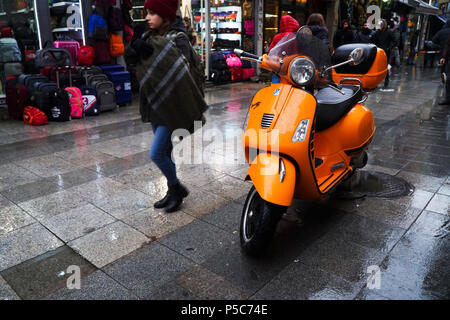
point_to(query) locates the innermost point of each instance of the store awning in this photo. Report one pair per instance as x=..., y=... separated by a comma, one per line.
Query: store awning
x=442, y=18
x=425, y=8
x=410, y=3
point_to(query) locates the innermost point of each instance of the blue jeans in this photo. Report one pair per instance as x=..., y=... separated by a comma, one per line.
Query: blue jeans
x=161, y=151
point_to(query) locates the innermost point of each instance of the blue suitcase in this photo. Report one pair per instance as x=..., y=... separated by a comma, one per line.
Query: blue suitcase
x=122, y=86
x=89, y=96
x=112, y=68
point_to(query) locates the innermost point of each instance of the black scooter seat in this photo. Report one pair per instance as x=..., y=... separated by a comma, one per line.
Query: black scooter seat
x=332, y=105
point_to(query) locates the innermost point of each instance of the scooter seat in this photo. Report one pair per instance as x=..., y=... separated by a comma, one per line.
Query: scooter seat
x=332, y=105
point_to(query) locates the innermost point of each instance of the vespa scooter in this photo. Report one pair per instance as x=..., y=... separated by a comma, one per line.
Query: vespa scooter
x=304, y=136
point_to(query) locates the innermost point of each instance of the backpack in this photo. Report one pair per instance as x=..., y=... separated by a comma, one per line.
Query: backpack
x=9, y=50
x=97, y=27
x=86, y=56
x=128, y=33
x=115, y=20
x=116, y=47
x=34, y=116
x=196, y=67
x=102, y=55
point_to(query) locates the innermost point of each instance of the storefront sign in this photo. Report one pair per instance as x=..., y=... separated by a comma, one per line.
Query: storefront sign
x=74, y=20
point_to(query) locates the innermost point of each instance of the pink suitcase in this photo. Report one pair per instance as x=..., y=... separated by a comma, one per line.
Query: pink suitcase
x=247, y=73
x=72, y=46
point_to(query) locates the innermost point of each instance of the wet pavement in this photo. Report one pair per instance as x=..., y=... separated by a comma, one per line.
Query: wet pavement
x=81, y=194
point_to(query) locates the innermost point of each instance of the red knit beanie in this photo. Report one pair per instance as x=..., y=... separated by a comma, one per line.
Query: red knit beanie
x=167, y=9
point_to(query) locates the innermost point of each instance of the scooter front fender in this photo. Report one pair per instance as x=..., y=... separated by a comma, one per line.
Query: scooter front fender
x=274, y=178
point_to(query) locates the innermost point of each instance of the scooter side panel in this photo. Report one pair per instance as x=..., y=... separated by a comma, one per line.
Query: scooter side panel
x=265, y=174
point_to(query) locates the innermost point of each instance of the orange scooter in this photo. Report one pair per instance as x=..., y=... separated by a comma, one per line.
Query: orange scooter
x=304, y=136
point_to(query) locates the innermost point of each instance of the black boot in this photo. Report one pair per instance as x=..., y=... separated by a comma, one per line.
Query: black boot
x=163, y=202
x=175, y=197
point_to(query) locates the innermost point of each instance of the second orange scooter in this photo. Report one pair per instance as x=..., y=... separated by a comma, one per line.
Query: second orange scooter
x=304, y=136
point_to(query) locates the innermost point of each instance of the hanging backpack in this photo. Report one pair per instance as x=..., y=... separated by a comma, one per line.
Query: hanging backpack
x=9, y=50
x=128, y=33
x=102, y=55
x=115, y=20
x=97, y=27
x=116, y=46
x=86, y=56
x=34, y=116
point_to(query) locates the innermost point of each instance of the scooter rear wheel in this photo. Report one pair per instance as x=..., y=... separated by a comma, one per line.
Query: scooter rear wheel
x=258, y=223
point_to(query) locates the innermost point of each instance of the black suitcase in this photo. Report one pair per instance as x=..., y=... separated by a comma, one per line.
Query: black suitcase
x=59, y=108
x=40, y=98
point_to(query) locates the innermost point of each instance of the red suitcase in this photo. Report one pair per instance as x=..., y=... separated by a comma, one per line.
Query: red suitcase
x=236, y=74
x=16, y=96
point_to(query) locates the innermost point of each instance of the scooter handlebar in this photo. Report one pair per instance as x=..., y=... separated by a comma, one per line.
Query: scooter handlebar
x=243, y=54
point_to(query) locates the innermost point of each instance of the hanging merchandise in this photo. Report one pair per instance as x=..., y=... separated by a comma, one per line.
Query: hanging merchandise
x=9, y=50
x=86, y=56
x=128, y=33
x=102, y=55
x=115, y=19
x=127, y=5
x=116, y=46
x=247, y=10
x=97, y=27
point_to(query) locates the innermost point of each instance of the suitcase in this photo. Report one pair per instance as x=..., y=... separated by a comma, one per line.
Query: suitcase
x=122, y=86
x=89, y=70
x=106, y=97
x=59, y=107
x=75, y=99
x=13, y=69
x=40, y=98
x=97, y=77
x=72, y=46
x=236, y=74
x=112, y=68
x=16, y=96
x=89, y=97
x=32, y=79
x=247, y=73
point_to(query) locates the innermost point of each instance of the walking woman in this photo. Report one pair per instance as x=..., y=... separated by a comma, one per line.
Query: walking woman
x=169, y=97
x=344, y=35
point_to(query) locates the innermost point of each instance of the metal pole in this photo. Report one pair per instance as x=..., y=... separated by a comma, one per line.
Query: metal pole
x=207, y=36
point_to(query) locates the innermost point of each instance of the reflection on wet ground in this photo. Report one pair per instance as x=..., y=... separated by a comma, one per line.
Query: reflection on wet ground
x=82, y=193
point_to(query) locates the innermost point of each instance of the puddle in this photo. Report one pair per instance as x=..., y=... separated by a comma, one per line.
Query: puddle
x=373, y=184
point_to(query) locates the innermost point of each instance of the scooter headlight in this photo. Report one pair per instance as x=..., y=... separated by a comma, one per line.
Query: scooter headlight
x=302, y=130
x=302, y=71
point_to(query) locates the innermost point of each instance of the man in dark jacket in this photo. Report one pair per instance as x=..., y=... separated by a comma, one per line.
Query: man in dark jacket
x=383, y=39
x=344, y=35
x=365, y=34
x=439, y=39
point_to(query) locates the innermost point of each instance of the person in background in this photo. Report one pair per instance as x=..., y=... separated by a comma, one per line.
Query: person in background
x=365, y=34
x=396, y=36
x=384, y=40
x=317, y=25
x=444, y=62
x=190, y=31
x=412, y=48
x=440, y=39
x=287, y=26
x=344, y=35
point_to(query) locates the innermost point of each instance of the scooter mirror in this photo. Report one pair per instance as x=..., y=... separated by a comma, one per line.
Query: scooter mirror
x=357, y=56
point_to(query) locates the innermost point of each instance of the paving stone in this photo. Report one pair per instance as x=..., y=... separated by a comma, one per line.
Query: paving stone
x=98, y=189
x=199, y=176
x=156, y=223
x=12, y=218
x=86, y=157
x=6, y=293
x=198, y=240
x=108, y=244
x=301, y=282
x=74, y=178
x=12, y=175
x=228, y=187
x=227, y=217
x=53, y=204
x=31, y=190
x=24, y=244
x=148, y=268
x=200, y=202
x=440, y=203
x=47, y=166
x=421, y=181
x=124, y=203
x=445, y=189
x=170, y=291
x=96, y=286
x=47, y=273
x=77, y=222
x=432, y=224
x=137, y=176
x=4, y=202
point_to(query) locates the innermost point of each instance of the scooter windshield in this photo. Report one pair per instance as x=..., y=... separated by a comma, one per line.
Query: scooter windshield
x=302, y=43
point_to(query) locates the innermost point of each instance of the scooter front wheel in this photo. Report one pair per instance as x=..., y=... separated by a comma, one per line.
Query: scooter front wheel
x=258, y=223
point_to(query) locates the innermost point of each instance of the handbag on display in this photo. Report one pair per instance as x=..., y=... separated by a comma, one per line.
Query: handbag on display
x=233, y=61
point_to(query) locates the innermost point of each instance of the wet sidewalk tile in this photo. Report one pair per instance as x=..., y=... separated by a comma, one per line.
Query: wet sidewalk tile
x=155, y=223
x=6, y=293
x=77, y=222
x=26, y=243
x=148, y=268
x=12, y=218
x=440, y=204
x=96, y=286
x=108, y=244
x=47, y=273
